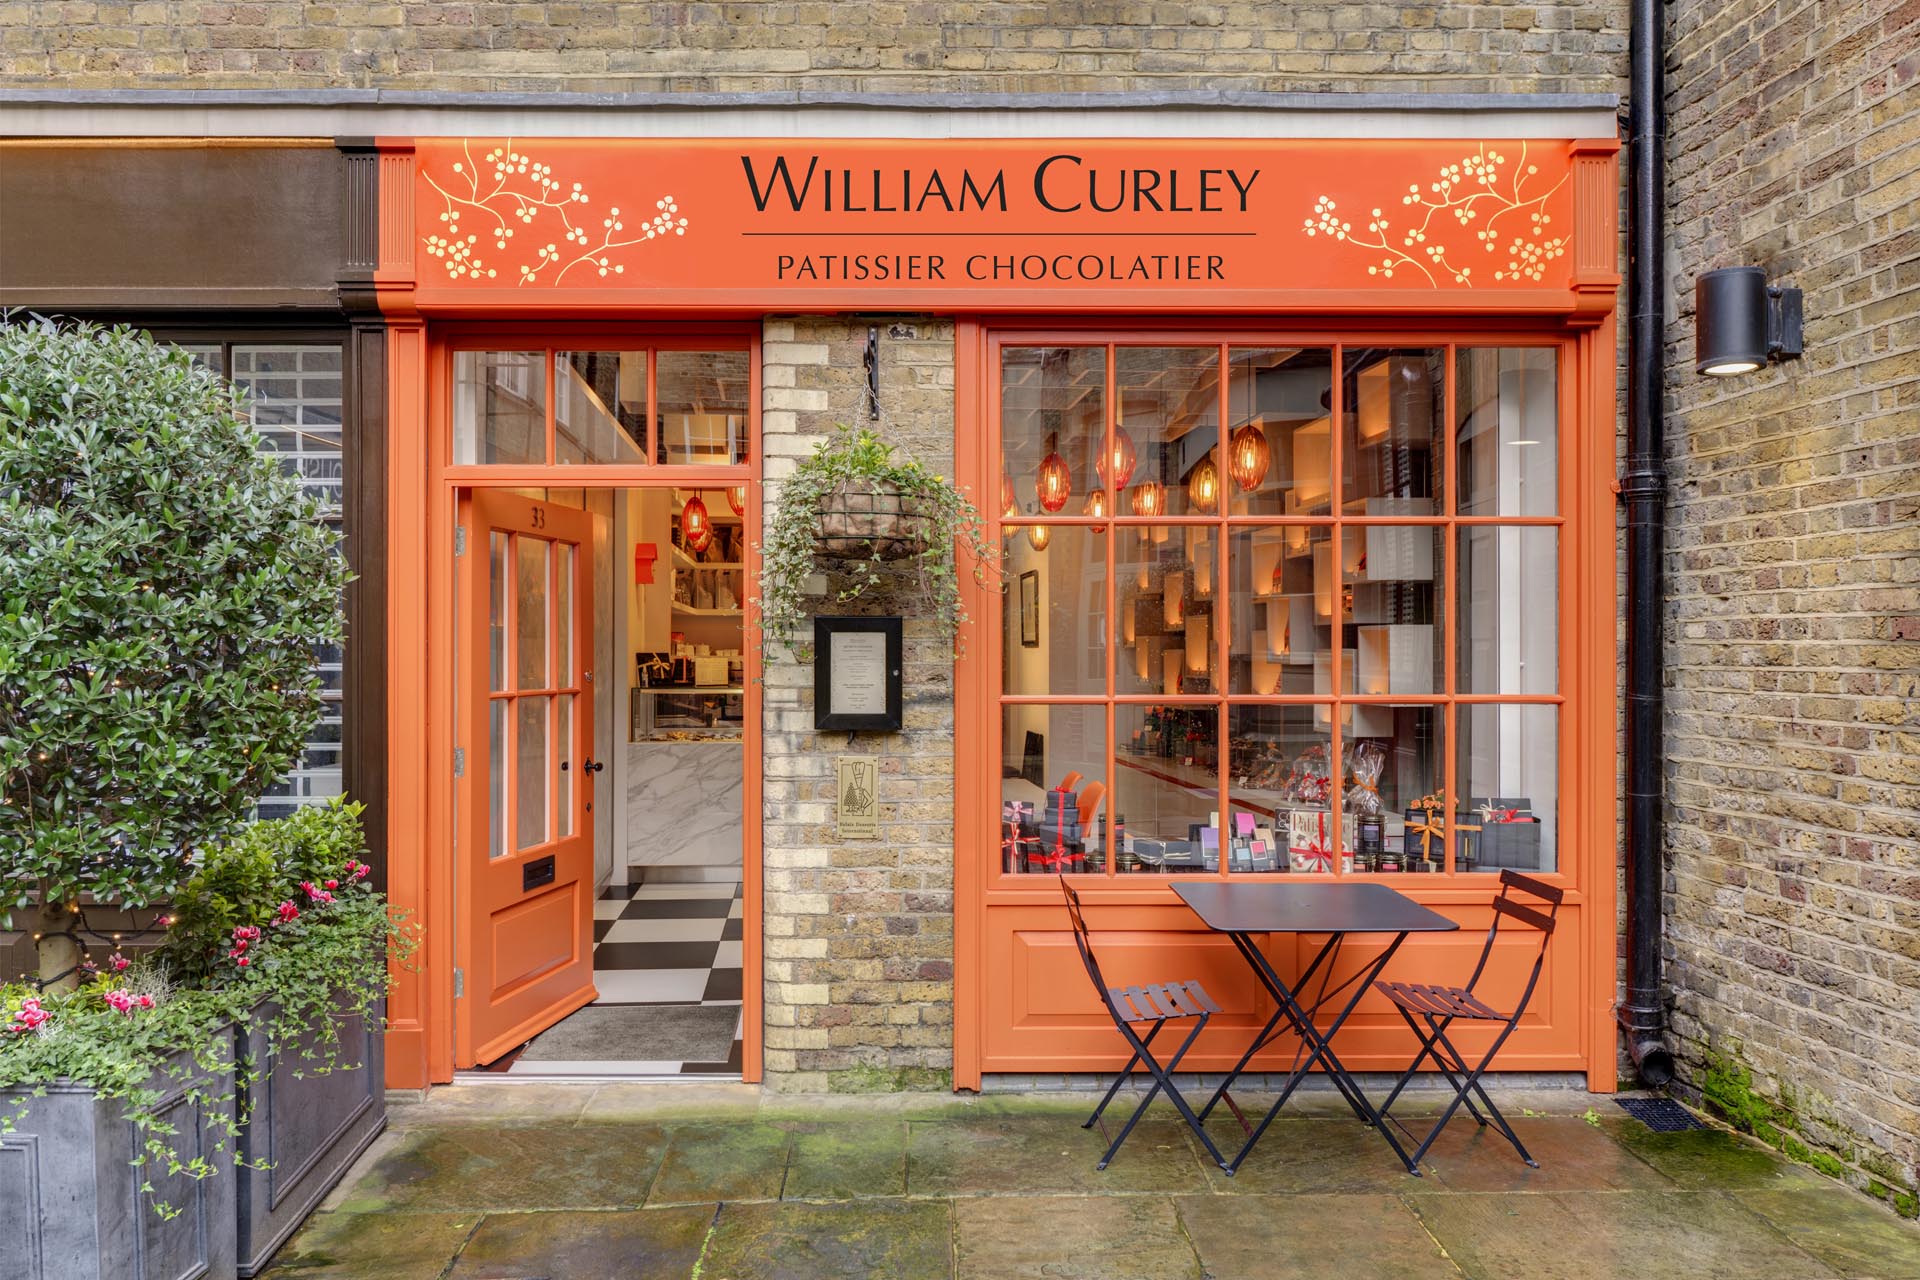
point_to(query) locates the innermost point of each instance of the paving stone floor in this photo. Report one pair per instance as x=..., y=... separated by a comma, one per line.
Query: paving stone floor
x=723, y=1182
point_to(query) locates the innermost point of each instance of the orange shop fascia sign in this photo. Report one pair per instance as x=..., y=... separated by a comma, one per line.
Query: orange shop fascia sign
x=1233, y=225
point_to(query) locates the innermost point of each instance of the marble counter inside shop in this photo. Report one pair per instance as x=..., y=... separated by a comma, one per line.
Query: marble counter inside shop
x=684, y=803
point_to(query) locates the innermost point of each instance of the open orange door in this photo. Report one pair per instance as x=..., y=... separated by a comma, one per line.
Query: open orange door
x=524, y=786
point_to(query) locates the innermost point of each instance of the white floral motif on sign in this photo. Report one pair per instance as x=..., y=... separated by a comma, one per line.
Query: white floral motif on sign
x=1475, y=193
x=507, y=187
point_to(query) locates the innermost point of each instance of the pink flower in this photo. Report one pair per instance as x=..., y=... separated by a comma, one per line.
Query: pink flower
x=288, y=912
x=120, y=1001
x=30, y=1017
x=243, y=962
x=119, y=962
x=333, y=884
x=145, y=1002
x=246, y=933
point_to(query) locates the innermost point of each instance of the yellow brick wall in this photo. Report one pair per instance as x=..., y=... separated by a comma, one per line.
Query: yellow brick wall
x=1793, y=923
x=1016, y=46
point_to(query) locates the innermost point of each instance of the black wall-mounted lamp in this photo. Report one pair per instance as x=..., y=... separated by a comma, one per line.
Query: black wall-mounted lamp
x=1741, y=322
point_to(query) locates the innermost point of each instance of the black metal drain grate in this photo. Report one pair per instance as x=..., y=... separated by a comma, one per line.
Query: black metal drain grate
x=1662, y=1115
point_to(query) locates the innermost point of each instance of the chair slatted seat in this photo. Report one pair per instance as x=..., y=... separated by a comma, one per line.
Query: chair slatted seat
x=1437, y=1008
x=1153, y=1005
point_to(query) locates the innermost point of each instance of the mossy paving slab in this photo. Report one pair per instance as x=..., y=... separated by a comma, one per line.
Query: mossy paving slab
x=1713, y=1159
x=469, y=1169
x=1603, y=1235
x=1265, y=1237
x=859, y=1240
x=1071, y=1238
x=630, y=1244
x=1573, y=1156
x=843, y=1160
x=1307, y=1155
x=1843, y=1229
x=373, y=1246
x=710, y=1162
x=1039, y=1155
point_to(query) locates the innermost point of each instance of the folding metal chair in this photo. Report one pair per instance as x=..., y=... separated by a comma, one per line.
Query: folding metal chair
x=1155, y=1005
x=1440, y=1007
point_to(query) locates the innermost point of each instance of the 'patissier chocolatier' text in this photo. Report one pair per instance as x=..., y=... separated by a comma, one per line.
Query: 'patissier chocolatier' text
x=822, y=268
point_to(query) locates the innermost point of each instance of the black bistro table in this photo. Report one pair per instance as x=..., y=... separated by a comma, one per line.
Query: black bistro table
x=1244, y=909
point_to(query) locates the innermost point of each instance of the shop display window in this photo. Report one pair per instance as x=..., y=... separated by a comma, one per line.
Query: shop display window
x=1314, y=589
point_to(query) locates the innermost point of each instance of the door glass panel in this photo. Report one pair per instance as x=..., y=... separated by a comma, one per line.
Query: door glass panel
x=1052, y=420
x=1392, y=431
x=1509, y=770
x=497, y=778
x=1056, y=609
x=1509, y=609
x=499, y=406
x=563, y=617
x=600, y=406
x=570, y=764
x=1506, y=406
x=532, y=763
x=532, y=570
x=1164, y=594
x=1170, y=414
x=496, y=610
x=701, y=401
x=1279, y=432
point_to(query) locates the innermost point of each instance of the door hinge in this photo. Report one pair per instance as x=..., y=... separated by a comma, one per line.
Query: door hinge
x=459, y=540
x=459, y=762
x=459, y=983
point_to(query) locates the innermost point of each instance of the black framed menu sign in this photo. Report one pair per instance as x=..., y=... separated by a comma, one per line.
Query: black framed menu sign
x=856, y=673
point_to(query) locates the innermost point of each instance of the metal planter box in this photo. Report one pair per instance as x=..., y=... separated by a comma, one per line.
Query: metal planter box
x=306, y=1128
x=70, y=1201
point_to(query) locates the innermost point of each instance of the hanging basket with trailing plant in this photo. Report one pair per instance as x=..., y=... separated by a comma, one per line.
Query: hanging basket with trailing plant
x=866, y=515
x=869, y=518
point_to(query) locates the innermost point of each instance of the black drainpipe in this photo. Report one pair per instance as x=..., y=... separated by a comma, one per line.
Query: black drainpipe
x=1644, y=490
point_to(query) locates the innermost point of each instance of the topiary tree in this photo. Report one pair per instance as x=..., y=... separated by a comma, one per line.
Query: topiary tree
x=163, y=586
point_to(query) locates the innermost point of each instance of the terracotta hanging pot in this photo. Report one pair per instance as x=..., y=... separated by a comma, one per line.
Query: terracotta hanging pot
x=861, y=519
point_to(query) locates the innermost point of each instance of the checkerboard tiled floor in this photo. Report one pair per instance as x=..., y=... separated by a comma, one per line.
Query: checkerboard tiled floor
x=660, y=944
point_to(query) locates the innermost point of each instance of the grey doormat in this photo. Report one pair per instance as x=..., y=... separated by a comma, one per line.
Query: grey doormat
x=639, y=1033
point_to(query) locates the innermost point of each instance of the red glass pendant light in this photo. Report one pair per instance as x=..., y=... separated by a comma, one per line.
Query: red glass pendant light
x=1150, y=499
x=1117, y=463
x=696, y=526
x=1096, y=505
x=1203, y=486
x=1054, y=485
x=737, y=499
x=1038, y=536
x=1009, y=505
x=1248, y=456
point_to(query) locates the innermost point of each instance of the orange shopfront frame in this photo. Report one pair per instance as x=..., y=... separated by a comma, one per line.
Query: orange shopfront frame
x=546, y=243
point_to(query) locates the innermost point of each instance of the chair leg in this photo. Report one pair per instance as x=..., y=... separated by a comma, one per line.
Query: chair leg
x=1406, y=1077
x=1125, y=1071
x=1160, y=1080
x=1472, y=1085
x=1436, y=1036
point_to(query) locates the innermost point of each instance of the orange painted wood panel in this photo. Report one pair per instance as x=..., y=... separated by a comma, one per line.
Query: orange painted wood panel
x=1049, y=1018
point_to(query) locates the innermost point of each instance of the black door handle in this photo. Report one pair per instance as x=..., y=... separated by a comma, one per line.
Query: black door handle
x=592, y=766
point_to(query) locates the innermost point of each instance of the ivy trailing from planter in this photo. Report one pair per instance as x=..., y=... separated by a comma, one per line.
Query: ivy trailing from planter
x=869, y=516
x=277, y=928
